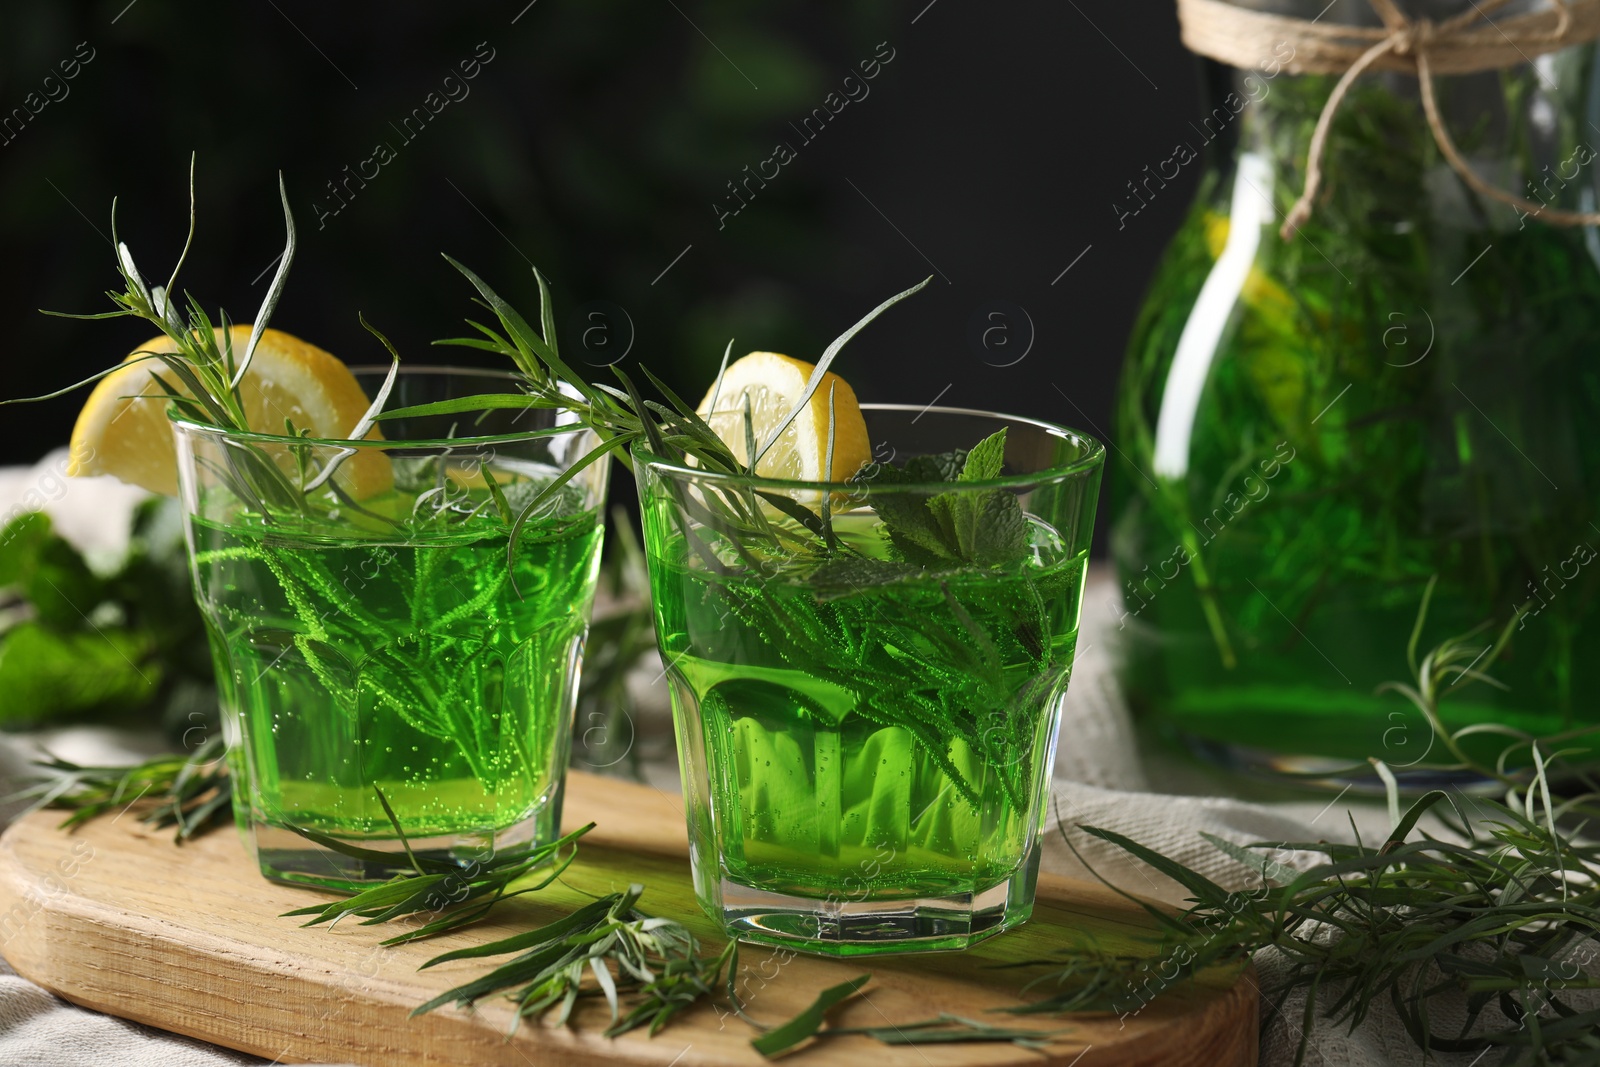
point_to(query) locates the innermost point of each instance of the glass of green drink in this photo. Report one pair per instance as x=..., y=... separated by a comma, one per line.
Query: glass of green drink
x=375, y=631
x=867, y=676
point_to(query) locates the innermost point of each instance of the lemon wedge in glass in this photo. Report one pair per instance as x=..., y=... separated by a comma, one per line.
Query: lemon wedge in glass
x=123, y=429
x=771, y=385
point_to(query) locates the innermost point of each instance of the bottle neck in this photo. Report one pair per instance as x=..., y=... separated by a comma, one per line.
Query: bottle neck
x=1526, y=130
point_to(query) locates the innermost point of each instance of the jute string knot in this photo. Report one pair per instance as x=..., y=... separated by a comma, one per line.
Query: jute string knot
x=1416, y=34
x=1467, y=43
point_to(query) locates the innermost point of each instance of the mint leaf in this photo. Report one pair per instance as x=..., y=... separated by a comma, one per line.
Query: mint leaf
x=1000, y=530
x=20, y=544
x=986, y=459
x=911, y=527
x=939, y=467
x=47, y=572
x=77, y=642
x=45, y=673
x=988, y=527
x=61, y=587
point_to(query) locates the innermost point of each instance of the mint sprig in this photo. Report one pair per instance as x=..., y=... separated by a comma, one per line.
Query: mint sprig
x=985, y=528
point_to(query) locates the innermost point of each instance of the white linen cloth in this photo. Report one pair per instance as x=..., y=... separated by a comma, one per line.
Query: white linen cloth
x=1100, y=780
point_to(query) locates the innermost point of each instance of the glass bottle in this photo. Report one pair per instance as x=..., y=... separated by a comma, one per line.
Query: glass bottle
x=1313, y=429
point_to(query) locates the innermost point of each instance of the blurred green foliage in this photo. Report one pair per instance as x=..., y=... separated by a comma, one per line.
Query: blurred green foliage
x=126, y=646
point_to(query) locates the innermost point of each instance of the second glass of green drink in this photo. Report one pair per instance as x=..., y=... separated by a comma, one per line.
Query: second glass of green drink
x=375, y=629
x=867, y=676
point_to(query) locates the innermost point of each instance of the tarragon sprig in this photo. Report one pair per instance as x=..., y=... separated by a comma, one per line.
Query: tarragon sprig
x=455, y=894
x=1504, y=914
x=620, y=417
x=1505, y=919
x=190, y=792
x=201, y=378
x=656, y=962
x=650, y=970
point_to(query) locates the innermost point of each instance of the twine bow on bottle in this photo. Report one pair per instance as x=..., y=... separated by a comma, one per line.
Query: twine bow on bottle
x=1466, y=43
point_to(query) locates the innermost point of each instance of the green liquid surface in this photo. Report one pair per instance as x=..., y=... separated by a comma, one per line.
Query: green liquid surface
x=888, y=743
x=429, y=669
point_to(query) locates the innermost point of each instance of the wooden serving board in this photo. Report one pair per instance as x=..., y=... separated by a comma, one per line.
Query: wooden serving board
x=189, y=939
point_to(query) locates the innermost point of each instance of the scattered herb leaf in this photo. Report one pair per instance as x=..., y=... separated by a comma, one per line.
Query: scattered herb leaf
x=947, y=1029
x=781, y=1039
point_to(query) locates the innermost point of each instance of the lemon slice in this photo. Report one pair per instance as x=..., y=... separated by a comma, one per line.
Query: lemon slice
x=123, y=429
x=773, y=385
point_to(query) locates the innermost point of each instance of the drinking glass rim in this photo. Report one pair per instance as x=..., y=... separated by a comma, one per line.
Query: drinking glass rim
x=1094, y=457
x=258, y=437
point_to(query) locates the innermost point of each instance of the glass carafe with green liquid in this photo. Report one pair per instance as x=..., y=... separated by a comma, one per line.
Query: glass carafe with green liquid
x=1313, y=428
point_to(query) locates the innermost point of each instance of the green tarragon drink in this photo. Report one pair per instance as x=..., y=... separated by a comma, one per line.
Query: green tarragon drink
x=877, y=741
x=867, y=672
x=382, y=637
x=396, y=568
x=431, y=670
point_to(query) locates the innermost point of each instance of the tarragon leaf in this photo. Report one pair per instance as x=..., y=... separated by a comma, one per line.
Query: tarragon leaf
x=845, y=575
x=949, y=1029
x=783, y=1038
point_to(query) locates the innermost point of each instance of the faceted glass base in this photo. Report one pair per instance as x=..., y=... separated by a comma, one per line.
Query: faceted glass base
x=869, y=925
x=286, y=856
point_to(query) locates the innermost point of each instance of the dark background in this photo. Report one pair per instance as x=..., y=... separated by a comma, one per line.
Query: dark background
x=988, y=152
